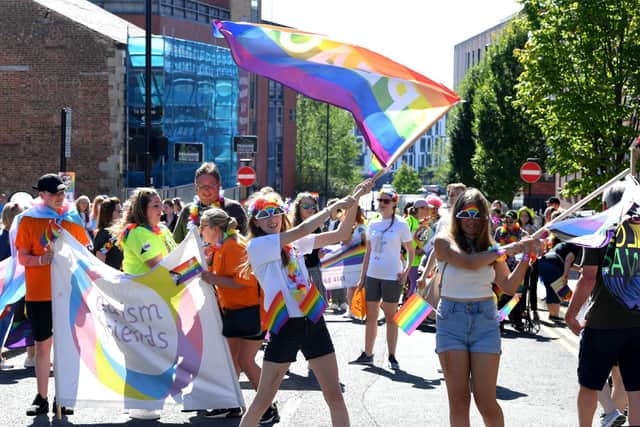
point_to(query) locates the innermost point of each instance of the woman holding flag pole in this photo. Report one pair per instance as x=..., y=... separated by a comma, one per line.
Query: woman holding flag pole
x=467, y=321
x=293, y=304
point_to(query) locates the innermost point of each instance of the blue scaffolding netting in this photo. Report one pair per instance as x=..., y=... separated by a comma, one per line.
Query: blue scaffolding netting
x=194, y=94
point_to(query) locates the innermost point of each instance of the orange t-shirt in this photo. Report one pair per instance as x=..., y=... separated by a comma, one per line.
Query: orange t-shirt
x=29, y=235
x=226, y=262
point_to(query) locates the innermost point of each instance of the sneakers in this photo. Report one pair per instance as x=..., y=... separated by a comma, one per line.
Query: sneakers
x=29, y=362
x=224, y=413
x=363, y=359
x=556, y=318
x=614, y=418
x=393, y=362
x=63, y=409
x=5, y=365
x=40, y=406
x=144, y=414
x=271, y=415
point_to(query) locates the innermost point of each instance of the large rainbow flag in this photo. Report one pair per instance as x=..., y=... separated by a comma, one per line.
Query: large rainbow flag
x=392, y=104
x=341, y=266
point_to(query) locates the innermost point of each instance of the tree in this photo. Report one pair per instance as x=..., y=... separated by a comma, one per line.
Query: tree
x=581, y=85
x=459, y=129
x=503, y=134
x=406, y=180
x=311, y=148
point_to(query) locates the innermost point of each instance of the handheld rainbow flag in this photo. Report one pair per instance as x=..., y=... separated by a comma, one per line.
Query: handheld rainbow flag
x=392, y=104
x=561, y=287
x=51, y=233
x=504, y=311
x=313, y=305
x=277, y=315
x=186, y=270
x=412, y=313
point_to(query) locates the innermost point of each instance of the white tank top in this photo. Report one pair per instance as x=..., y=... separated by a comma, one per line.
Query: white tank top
x=462, y=283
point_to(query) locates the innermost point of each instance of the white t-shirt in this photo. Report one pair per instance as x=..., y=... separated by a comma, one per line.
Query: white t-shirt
x=266, y=263
x=384, y=259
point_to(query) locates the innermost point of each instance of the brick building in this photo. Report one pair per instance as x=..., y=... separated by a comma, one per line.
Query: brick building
x=55, y=54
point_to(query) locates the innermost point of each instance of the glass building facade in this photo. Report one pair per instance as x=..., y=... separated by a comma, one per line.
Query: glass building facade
x=194, y=111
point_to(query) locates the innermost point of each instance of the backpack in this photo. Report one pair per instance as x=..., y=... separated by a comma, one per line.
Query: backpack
x=621, y=265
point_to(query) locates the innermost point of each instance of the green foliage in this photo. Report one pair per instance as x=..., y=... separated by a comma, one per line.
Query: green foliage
x=406, y=180
x=503, y=135
x=459, y=129
x=581, y=85
x=311, y=149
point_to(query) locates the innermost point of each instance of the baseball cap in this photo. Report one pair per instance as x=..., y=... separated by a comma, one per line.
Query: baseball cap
x=420, y=203
x=434, y=201
x=553, y=199
x=51, y=183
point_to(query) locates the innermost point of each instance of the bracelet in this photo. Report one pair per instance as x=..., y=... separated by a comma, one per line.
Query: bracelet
x=39, y=259
x=525, y=257
x=498, y=250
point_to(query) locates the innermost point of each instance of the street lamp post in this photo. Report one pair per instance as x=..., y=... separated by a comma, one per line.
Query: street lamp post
x=147, y=95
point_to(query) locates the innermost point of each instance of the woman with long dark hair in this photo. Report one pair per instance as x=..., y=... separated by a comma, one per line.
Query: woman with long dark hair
x=467, y=321
x=104, y=244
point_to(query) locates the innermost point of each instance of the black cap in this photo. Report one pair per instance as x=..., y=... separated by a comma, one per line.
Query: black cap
x=553, y=199
x=50, y=183
x=512, y=214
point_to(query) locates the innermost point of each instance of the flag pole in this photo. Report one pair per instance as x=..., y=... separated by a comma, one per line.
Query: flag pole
x=582, y=202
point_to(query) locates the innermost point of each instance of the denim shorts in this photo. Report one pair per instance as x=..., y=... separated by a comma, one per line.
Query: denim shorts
x=467, y=326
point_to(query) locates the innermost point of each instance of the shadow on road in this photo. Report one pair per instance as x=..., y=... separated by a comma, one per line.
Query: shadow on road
x=44, y=421
x=12, y=376
x=503, y=393
x=404, y=377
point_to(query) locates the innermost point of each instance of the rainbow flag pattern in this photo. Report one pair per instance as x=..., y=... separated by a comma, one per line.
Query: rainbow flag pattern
x=186, y=270
x=51, y=233
x=277, y=315
x=313, y=305
x=391, y=104
x=504, y=311
x=353, y=255
x=561, y=287
x=412, y=313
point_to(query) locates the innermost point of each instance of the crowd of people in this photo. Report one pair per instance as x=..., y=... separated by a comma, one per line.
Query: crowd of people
x=468, y=264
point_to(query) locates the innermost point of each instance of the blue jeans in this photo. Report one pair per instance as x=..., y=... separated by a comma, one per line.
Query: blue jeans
x=467, y=326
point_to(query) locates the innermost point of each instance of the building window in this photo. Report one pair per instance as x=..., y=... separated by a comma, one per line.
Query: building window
x=478, y=55
x=468, y=59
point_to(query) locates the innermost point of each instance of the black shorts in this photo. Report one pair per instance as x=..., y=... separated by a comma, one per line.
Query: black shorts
x=259, y=337
x=302, y=334
x=387, y=290
x=41, y=317
x=601, y=348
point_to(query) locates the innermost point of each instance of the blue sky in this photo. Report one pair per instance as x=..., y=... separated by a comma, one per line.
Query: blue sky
x=420, y=34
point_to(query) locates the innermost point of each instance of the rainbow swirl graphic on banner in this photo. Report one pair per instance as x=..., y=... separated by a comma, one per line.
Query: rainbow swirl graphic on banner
x=353, y=255
x=412, y=313
x=121, y=378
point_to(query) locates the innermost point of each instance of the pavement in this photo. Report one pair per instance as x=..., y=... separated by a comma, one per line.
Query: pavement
x=537, y=385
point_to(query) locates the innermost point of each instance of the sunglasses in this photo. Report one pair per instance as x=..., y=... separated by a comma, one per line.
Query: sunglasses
x=385, y=201
x=509, y=221
x=469, y=214
x=270, y=211
x=308, y=205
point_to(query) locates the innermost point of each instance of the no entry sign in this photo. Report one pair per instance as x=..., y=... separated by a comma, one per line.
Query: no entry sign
x=530, y=172
x=246, y=176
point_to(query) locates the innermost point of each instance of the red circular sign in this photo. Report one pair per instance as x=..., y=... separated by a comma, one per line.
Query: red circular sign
x=530, y=172
x=246, y=176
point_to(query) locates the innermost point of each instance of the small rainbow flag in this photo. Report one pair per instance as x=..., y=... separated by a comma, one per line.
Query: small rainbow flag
x=51, y=233
x=561, y=287
x=186, y=270
x=313, y=305
x=277, y=315
x=504, y=311
x=412, y=313
x=351, y=256
x=497, y=290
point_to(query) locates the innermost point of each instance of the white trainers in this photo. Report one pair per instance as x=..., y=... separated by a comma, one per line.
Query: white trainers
x=344, y=306
x=4, y=364
x=29, y=362
x=614, y=418
x=144, y=414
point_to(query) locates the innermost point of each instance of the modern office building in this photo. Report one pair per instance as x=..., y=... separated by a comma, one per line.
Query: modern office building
x=263, y=108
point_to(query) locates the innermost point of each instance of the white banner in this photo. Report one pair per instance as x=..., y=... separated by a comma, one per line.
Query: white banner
x=138, y=341
x=341, y=266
